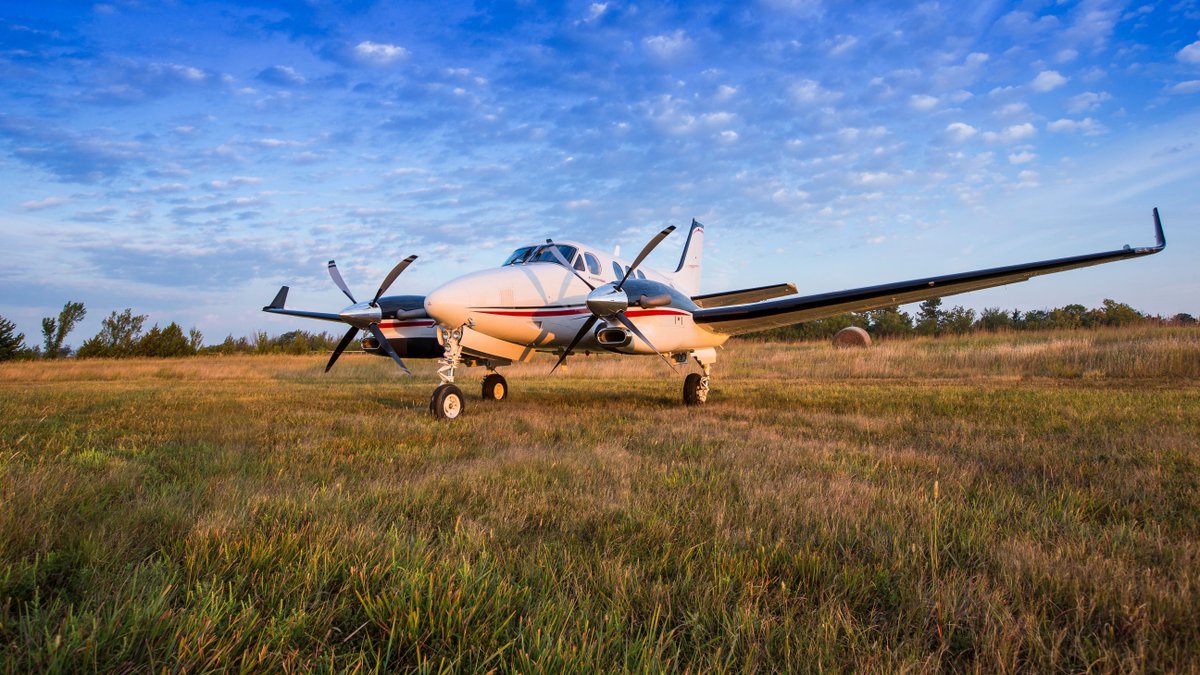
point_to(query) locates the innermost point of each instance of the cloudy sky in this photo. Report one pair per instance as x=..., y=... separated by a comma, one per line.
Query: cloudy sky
x=187, y=158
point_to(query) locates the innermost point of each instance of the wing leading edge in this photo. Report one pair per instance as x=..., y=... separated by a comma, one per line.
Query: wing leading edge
x=747, y=318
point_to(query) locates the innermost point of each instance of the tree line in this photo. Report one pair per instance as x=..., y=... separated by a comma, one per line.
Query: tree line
x=932, y=319
x=122, y=334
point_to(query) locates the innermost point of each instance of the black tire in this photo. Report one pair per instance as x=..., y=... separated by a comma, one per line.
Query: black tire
x=447, y=403
x=495, y=387
x=692, y=393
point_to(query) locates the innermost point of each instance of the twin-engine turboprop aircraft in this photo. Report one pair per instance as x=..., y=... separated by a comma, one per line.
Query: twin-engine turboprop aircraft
x=565, y=297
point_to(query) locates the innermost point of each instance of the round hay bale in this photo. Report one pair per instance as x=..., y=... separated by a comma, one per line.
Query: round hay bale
x=851, y=336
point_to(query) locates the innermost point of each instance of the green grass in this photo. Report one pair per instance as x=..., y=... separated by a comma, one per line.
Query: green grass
x=250, y=513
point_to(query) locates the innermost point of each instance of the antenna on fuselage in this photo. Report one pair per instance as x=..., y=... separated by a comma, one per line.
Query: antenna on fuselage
x=617, y=251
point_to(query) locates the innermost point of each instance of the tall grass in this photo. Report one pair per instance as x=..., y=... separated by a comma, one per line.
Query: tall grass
x=989, y=503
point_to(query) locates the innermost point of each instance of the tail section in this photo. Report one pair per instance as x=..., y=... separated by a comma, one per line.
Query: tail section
x=687, y=276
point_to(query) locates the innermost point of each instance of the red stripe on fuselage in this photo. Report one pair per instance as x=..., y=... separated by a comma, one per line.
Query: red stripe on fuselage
x=537, y=313
x=405, y=324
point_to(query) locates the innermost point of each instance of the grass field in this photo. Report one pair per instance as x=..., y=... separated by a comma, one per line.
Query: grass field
x=1001, y=503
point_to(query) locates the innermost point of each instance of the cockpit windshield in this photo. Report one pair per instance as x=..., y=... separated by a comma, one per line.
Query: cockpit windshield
x=532, y=254
x=518, y=256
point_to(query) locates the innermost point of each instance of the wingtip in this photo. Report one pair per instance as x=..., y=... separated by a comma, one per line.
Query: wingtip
x=1160, y=240
x=280, y=299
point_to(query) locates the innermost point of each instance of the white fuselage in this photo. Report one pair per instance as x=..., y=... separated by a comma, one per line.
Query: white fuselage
x=541, y=306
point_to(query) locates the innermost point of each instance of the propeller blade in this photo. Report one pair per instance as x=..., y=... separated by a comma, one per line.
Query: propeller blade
x=634, y=329
x=387, y=281
x=337, y=279
x=563, y=261
x=645, y=252
x=587, y=325
x=341, y=347
x=387, y=346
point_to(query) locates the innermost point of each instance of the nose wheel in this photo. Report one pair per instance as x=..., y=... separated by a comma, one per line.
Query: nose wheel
x=447, y=403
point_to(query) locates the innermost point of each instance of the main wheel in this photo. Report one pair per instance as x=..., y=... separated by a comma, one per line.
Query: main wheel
x=693, y=393
x=447, y=403
x=495, y=387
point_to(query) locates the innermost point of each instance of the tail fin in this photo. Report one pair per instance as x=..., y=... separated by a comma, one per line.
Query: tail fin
x=687, y=275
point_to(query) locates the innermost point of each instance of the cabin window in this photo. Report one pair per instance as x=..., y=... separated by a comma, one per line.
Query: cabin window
x=593, y=264
x=640, y=274
x=617, y=271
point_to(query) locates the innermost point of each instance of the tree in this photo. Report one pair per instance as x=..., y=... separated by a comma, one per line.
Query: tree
x=930, y=317
x=54, y=331
x=889, y=322
x=1184, y=319
x=995, y=319
x=1119, y=314
x=12, y=343
x=195, y=339
x=118, y=336
x=957, y=320
x=164, y=342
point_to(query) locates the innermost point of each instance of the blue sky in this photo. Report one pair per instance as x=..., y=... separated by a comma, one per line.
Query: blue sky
x=185, y=159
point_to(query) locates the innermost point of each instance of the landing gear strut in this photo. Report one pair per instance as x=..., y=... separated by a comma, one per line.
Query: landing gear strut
x=448, y=401
x=695, y=385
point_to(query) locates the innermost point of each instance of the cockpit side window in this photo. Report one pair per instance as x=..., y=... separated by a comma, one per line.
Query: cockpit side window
x=593, y=264
x=518, y=256
x=579, y=265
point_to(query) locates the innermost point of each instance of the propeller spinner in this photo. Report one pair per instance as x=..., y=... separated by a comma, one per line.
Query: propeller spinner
x=366, y=315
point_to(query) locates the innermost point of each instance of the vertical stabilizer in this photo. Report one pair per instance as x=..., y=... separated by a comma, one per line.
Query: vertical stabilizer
x=687, y=275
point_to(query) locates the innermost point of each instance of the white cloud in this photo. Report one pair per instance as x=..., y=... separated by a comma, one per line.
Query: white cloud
x=960, y=131
x=1048, y=80
x=39, y=204
x=923, y=102
x=667, y=46
x=1190, y=53
x=1027, y=179
x=595, y=11
x=1012, y=109
x=1188, y=87
x=1088, y=100
x=379, y=53
x=1022, y=157
x=1066, y=55
x=1086, y=126
x=728, y=136
x=844, y=43
x=809, y=91
x=1016, y=132
x=725, y=92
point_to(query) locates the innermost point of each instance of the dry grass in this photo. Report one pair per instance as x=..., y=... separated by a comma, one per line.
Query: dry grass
x=252, y=513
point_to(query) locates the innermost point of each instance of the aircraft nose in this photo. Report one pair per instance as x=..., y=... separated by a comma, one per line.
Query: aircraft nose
x=449, y=304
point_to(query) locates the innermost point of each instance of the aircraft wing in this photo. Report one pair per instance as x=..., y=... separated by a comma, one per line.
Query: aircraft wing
x=744, y=296
x=747, y=318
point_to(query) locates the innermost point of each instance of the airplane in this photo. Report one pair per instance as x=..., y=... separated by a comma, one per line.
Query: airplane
x=564, y=297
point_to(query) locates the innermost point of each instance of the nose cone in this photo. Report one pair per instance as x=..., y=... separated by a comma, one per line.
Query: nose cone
x=361, y=315
x=449, y=304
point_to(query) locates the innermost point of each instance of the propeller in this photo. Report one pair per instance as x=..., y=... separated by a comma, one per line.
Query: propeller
x=610, y=302
x=366, y=315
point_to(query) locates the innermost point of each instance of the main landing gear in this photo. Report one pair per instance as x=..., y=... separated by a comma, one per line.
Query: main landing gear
x=448, y=401
x=695, y=385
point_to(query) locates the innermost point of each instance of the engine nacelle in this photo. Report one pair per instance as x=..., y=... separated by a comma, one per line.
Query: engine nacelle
x=612, y=336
